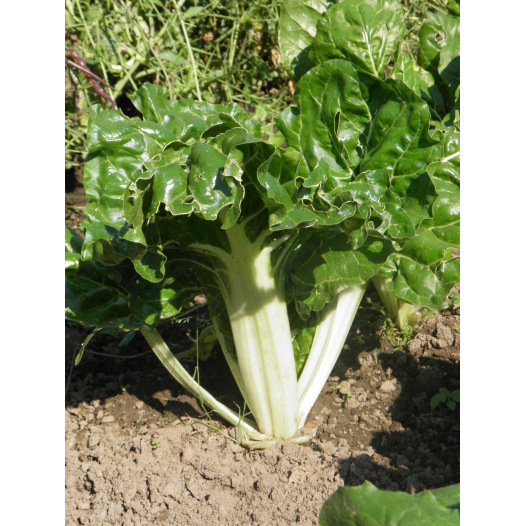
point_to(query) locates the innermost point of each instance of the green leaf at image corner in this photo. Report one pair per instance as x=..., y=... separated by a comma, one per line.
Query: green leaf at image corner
x=367, y=505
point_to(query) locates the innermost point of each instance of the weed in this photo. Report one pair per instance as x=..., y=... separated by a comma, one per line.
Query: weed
x=399, y=338
x=444, y=396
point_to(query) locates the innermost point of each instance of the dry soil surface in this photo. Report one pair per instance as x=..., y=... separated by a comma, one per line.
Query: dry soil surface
x=140, y=451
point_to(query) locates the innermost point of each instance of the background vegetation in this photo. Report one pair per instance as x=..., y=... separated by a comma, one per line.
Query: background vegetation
x=212, y=50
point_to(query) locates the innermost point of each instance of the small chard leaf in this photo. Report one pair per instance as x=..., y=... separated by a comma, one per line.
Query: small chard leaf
x=424, y=286
x=210, y=189
x=118, y=296
x=435, y=400
x=326, y=263
x=73, y=249
x=419, y=80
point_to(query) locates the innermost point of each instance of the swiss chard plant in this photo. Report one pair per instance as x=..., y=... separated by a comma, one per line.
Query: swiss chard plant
x=283, y=241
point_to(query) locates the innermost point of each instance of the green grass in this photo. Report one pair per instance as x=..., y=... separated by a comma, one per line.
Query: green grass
x=215, y=51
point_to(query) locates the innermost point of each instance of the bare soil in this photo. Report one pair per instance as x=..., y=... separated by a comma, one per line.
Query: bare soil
x=141, y=451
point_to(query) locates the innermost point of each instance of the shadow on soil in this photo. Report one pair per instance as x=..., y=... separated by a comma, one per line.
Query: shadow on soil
x=107, y=371
x=422, y=447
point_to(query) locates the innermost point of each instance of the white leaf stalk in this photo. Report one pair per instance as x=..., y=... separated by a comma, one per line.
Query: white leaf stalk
x=259, y=320
x=329, y=338
x=263, y=364
x=401, y=312
x=176, y=369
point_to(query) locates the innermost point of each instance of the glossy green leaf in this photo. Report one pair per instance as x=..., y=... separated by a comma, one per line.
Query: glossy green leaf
x=427, y=266
x=117, y=296
x=424, y=286
x=419, y=80
x=326, y=263
x=453, y=6
x=80, y=354
x=439, y=51
x=366, y=505
x=348, y=123
x=73, y=248
x=297, y=28
x=188, y=120
x=364, y=32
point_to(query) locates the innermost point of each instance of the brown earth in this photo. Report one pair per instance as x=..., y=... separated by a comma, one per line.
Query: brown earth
x=140, y=451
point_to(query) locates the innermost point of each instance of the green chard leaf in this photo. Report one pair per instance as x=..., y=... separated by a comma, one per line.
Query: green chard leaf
x=439, y=52
x=297, y=28
x=427, y=267
x=355, y=143
x=364, y=32
x=326, y=263
x=366, y=505
x=419, y=80
x=117, y=296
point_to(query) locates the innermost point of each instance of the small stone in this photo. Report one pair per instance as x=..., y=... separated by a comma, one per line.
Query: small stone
x=139, y=404
x=296, y=475
x=351, y=403
x=415, y=346
x=172, y=489
x=345, y=387
x=444, y=333
x=329, y=448
x=93, y=441
x=388, y=386
x=108, y=419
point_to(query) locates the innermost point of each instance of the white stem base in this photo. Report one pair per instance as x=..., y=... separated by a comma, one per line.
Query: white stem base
x=328, y=342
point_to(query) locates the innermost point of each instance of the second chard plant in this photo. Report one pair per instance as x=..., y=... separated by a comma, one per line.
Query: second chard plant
x=283, y=241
